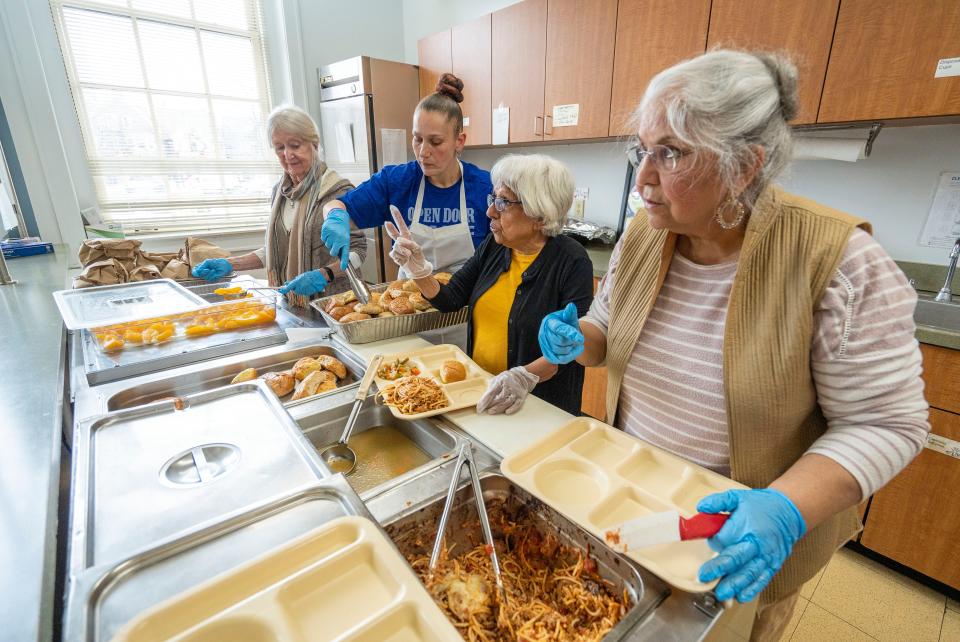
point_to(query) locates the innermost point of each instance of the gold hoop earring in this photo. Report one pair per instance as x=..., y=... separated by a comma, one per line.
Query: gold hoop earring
x=739, y=208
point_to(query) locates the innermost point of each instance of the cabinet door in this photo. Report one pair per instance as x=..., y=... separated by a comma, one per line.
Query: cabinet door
x=471, y=63
x=915, y=519
x=884, y=57
x=433, y=53
x=941, y=377
x=651, y=36
x=580, y=41
x=801, y=28
x=519, y=48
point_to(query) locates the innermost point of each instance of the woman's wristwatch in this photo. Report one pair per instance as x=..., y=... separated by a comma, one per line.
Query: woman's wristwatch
x=327, y=273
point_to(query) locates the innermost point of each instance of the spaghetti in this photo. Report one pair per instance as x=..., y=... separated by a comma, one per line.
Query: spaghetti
x=413, y=395
x=553, y=591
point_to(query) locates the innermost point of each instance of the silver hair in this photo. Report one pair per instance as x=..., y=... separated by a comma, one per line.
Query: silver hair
x=543, y=184
x=293, y=120
x=729, y=103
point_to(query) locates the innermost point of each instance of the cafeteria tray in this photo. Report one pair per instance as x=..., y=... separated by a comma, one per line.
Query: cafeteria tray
x=124, y=302
x=601, y=477
x=459, y=394
x=343, y=580
x=377, y=329
x=103, y=367
x=101, y=599
x=145, y=474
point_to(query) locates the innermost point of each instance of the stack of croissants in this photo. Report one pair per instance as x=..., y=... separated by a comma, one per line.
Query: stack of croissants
x=400, y=297
x=309, y=376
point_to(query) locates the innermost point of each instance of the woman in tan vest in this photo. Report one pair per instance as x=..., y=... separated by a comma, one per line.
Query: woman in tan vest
x=751, y=331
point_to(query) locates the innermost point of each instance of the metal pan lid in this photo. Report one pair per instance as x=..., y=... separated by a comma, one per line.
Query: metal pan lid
x=124, y=302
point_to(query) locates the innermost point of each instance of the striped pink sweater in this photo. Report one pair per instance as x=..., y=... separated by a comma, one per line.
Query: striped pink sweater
x=865, y=361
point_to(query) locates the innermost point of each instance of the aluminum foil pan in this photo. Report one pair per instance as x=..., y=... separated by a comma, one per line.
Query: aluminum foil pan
x=376, y=329
x=589, y=231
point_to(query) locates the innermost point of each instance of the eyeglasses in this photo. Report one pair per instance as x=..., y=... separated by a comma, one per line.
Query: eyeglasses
x=664, y=157
x=500, y=204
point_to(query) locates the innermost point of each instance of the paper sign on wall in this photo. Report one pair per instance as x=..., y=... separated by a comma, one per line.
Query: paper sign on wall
x=947, y=67
x=394, y=143
x=943, y=222
x=566, y=115
x=501, y=125
x=466, y=121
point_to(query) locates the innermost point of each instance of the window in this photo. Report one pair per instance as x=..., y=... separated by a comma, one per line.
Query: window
x=172, y=99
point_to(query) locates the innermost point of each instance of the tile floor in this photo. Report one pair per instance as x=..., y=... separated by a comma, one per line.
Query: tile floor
x=857, y=599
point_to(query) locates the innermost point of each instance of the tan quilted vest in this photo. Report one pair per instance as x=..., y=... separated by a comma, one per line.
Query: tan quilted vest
x=790, y=253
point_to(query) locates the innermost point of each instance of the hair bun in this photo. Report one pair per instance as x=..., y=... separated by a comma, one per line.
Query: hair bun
x=784, y=75
x=450, y=85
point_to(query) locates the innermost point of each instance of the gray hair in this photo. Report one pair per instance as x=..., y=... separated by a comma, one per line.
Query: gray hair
x=729, y=103
x=544, y=185
x=293, y=120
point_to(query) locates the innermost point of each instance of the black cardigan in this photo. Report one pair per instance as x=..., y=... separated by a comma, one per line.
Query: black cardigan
x=560, y=274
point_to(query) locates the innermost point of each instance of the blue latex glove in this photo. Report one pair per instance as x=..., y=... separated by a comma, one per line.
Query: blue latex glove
x=306, y=284
x=763, y=527
x=335, y=234
x=560, y=338
x=213, y=269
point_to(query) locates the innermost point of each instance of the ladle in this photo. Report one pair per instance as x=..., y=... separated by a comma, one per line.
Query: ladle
x=466, y=457
x=339, y=457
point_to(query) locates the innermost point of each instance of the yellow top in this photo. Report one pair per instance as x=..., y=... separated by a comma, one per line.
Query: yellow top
x=491, y=313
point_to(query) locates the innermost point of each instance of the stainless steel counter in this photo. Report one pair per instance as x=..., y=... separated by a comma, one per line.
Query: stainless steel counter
x=31, y=393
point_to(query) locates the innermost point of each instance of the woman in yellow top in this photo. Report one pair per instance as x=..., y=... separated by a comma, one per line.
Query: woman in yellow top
x=521, y=272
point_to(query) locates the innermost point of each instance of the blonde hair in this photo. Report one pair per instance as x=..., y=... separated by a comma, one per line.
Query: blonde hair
x=542, y=184
x=293, y=120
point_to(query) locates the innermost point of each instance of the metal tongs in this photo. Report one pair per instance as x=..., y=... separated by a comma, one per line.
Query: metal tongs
x=356, y=281
x=466, y=457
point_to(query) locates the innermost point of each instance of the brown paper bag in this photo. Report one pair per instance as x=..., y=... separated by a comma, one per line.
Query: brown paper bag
x=124, y=249
x=176, y=269
x=157, y=259
x=144, y=273
x=198, y=251
x=105, y=272
x=90, y=252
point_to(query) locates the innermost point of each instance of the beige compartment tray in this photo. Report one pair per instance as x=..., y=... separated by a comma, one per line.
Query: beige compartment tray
x=601, y=477
x=459, y=394
x=342, y=581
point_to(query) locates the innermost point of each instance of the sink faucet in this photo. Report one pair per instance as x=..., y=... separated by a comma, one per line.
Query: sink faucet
x=944, y=295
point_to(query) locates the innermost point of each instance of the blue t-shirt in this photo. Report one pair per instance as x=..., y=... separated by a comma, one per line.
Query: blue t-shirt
x=369, y=203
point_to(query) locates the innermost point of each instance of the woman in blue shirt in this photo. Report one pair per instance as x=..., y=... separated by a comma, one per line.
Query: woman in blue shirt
x=443, y=200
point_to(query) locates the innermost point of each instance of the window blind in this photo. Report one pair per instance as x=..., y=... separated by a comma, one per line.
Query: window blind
x=172, y=98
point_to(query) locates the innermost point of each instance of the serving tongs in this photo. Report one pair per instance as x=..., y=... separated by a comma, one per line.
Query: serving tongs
x=466, y=458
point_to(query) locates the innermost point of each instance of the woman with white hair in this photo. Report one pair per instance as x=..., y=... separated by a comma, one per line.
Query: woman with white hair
x=522, y=271
x=751, y=331
x=293, y=252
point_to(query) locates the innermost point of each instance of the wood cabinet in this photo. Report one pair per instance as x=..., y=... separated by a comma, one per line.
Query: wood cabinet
x=801, y=28
x=435, y=58
x=915, y=519
x=651, y=36
x=470, y=47
x=579, y=64
x=519, y=53
x=884, y=57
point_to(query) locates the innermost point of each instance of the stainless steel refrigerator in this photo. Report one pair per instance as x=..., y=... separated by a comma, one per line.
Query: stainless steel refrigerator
x=366, y=114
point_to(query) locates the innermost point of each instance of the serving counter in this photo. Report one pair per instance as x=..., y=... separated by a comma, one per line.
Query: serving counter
x=171, y=534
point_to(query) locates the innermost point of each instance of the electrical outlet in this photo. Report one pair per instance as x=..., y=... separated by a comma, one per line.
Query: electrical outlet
x=580, y=201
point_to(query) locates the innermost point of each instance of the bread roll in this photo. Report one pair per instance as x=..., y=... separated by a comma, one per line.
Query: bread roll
x=304, y=367
x=340, y=311
x=443, y=277
x=452, y=371
x=368, y=308
x=386, y=314
x=354, y=316
x=419, y=302
x=410, y=286
x=245, y=375
x=330, y=304
x=345, y=297
x=397, y=285
x=282, y=383
x=315, y=383
x=375, y=298
x=333, y=364
x=398, y=293
x=384, y=299
x=401, y=306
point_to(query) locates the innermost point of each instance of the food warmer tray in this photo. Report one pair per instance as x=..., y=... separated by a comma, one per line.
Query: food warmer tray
x=370, y=330
x=105, y=597
x=102, y=367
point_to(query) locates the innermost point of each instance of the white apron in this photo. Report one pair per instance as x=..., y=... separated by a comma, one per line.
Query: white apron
x=448, y=247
